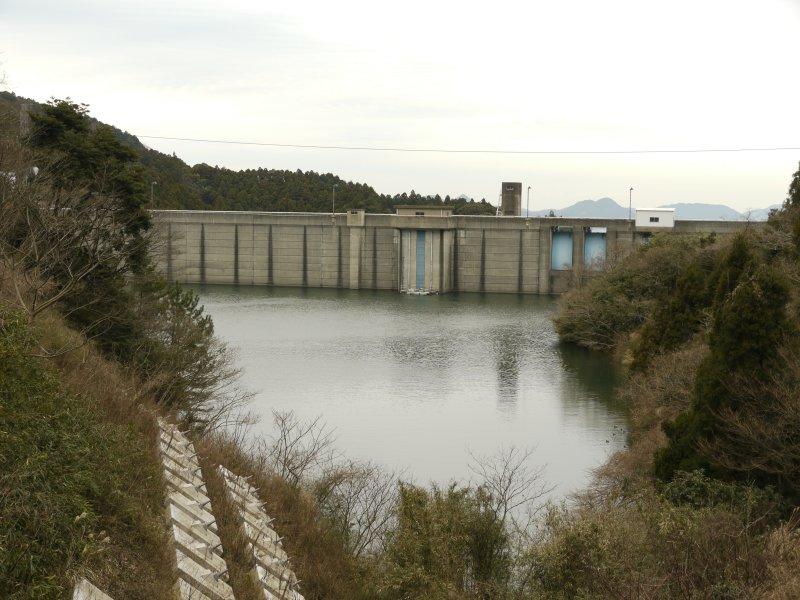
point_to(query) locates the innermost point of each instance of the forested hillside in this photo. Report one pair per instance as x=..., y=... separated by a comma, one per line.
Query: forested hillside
x=203, y=187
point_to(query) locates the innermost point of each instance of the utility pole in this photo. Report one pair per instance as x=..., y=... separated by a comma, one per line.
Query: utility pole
x=528, y=204
x=333, y=205
x=152, y=184
x=630, y=203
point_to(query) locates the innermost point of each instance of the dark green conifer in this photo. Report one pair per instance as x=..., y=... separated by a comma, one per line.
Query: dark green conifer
x=750, y=324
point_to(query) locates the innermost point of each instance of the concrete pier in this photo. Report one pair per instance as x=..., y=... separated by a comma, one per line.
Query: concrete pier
x=415, y=250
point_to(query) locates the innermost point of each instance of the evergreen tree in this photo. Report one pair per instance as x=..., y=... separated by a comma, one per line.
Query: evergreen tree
x=677, y=318
x=85, y=158
x=750, y=325
x=90, y=157
x=792, y=206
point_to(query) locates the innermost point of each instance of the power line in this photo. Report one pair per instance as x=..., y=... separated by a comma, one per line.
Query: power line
x=455, y=151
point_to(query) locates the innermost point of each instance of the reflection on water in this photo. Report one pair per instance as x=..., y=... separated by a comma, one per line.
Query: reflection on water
x=414, y=383
x=507, y=342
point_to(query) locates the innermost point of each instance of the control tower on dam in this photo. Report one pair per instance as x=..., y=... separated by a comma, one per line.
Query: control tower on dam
x=420, y=249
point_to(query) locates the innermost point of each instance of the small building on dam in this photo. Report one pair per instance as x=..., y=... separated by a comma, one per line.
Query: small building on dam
x=420, y=249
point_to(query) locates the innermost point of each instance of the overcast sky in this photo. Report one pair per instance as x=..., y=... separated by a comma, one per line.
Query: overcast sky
x=535, y=75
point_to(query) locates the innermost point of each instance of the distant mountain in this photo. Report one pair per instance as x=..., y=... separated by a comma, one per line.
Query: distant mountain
x=607, y=208
x=760, y=214
x=704, y=212
x=602, y=208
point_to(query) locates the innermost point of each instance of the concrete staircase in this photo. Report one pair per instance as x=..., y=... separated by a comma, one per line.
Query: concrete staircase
x=201, y=569
x=271, y=570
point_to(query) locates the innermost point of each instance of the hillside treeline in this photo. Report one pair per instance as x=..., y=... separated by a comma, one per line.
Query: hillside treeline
x=205, y=187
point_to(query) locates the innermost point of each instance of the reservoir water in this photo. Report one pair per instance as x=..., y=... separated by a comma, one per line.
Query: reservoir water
x=414, y=383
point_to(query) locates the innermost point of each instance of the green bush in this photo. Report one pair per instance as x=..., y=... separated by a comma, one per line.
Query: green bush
x=679, y=316
x=448, y=543
x=698, y=490
x=645, y=547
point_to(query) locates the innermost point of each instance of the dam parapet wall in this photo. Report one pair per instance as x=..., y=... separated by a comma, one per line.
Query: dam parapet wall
x=422, y=252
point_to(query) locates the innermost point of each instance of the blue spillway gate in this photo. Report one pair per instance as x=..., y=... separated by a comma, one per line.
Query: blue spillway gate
x=420, y=259
x=561, y=254
x=594, y=250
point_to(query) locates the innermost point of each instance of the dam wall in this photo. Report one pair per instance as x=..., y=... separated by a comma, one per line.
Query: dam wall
x=397, y=252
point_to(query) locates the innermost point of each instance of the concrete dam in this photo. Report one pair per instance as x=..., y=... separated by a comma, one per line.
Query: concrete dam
x=419, y=249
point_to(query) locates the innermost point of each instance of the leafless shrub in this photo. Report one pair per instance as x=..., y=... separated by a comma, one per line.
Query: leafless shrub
x=616, y=251
x=514, y=485
x=43, y=265
x=616, y=302
x=360, y=498
x=188, y=369
x=297, y=448
x=319, y=557
x=644, y=548
x=654, y=396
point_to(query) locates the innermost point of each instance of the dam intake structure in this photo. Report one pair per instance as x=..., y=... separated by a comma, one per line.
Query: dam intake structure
x=421, y=249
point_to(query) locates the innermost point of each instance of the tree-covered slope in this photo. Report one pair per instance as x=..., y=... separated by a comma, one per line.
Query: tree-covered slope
x=180, y=186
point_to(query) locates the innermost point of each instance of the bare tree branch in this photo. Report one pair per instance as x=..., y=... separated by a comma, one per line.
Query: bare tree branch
x=513, y=485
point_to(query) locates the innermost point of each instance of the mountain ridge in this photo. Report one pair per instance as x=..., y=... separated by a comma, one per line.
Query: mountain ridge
x=608, y=208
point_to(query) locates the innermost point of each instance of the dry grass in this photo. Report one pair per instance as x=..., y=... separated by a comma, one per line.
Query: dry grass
x=137, y=560
x=624, y=540
x=137, y=563
x=783, y=563
x=238, y=556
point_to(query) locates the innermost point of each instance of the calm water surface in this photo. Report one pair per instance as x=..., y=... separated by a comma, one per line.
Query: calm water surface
x=415, y=383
